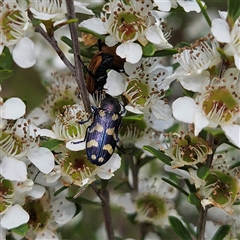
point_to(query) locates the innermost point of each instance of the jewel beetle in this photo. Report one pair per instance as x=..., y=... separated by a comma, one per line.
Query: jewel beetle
x=102, y=135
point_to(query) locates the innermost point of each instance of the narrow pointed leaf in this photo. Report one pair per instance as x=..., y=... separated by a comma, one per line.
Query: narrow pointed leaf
x=179, y=228
x=233, y=11
x=221, y=232
x=21, y=230
x=158, y=154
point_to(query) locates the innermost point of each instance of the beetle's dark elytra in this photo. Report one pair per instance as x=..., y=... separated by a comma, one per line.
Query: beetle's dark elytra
x=102, y=135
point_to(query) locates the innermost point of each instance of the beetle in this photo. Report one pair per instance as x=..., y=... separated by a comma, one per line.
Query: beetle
x=103, y=60
x=102, y=135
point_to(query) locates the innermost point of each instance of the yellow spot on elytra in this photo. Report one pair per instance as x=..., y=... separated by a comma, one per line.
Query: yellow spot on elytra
x=101, y=159
x=109, y=148
x=92, y=143
x=93, y=157
x=114, y=117
x=110, y=131
x=102, y=113
x=98, y=127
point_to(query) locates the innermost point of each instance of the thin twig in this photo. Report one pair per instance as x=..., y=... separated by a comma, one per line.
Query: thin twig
x=103, y=194
x=79, y=76
x=203, y=211
x=107, y=211
x=202, y=223
x=52, y=41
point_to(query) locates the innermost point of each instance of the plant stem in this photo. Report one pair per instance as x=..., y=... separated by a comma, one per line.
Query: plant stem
x=52, y=41
x=204, y=12
x=202, y=223
x=78, y=74
x=203, y=211
x=107, y=211
x=103, y=194
x=134, y=169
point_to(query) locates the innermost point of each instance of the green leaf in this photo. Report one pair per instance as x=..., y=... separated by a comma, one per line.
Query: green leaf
x=121, y=184
x=142, y=162
x=148, y=50
x=165, y=52
x=51, y=144
x=36, y=22
x=158, y=154
x=81, y=200
x=237, y=203
x=179, y=228
x=6, y=60
x=219, y=136
x=102, y=37
x=203, y=171
x=182, y=44
x=175, y=185
x=221, y=232
x=67, y=40
x=21, y=230
x=236, y=164
x=233, y=11
x=173, y=128
x=60, y=190
x=133, y=117
x=5, y=74
x=193, y=199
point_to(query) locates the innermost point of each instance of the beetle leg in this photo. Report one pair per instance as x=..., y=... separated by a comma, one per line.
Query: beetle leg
x=120, y=149
x=83, y=139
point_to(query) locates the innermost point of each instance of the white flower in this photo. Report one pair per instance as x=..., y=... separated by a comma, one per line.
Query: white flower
x=46, y=215
x=7, y=112
x=15, y=32
x=188, y=6
x=78, y=170
x=126, y=24
x=62, y=91
x=55, y=10
x=142, y=87
x=216, y=104
x=194, y=63
x=153, y=203
x=19, y=146
x=221, y=186
x=229, y=35
x=187, y=149
x=66, y=126
x=10, y=220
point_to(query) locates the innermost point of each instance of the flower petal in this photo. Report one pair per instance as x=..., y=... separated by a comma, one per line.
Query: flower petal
x=164, y=6
x=194, y=81
x=13, y=108
x=37, y=191
x=42, y=158
x=76, y=144
x=189, y=6
x=10, y=220
x=131, y=51
x=106, y=170
x=13, y=169
x=38, y=116
x=23, y=53
x=81, y=8
x=63, y=210
x=115, y=84
x=233, y=133
x=184, y=109
x=200, y=122
x=46, y=234
x=94, y=24
x=221, y=30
